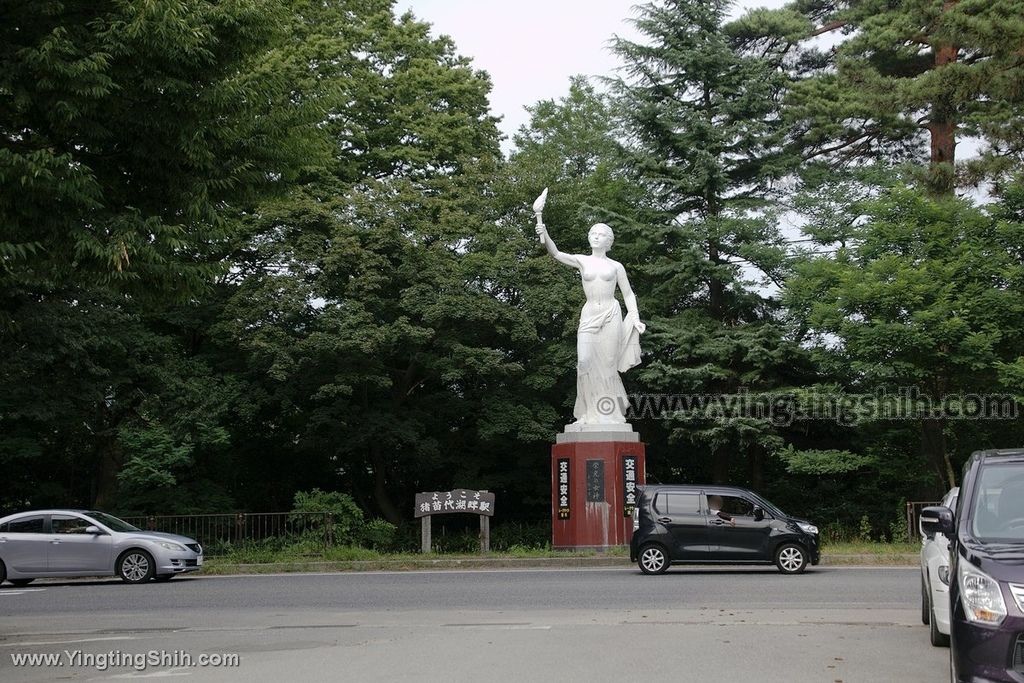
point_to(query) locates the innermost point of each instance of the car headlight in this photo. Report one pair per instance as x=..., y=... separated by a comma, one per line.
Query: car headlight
x=981, y=596
x=944, y=574
x=808, y=528
x=171, y=546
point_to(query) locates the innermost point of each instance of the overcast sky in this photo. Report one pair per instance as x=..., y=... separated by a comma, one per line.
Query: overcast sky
x=530, y=48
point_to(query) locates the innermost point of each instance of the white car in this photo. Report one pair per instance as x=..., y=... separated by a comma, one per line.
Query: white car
x=56, y=543
x=935, y=579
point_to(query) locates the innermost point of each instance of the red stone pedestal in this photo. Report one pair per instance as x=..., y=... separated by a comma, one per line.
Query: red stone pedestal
x=593, y=492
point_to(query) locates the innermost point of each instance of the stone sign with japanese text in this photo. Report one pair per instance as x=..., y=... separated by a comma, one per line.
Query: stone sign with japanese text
x=564, y=489
x=629, y=492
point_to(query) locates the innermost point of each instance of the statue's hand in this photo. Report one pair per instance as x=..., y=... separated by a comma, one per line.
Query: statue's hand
x=541, y=230
x=640, y=327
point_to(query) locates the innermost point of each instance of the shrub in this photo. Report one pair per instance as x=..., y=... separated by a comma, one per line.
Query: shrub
x=379, y=535
x=898, y=527
x=459, y=542
x=835, y=532
x=524, y=536
x=864, y=530
x=341, y=521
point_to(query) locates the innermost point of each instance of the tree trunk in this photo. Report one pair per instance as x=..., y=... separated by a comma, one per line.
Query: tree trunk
x=110, y=461
x=942, y=125
x=720, y=466
x=756, y=469
x=933, y=443
x=380, y=489
x=716, y=290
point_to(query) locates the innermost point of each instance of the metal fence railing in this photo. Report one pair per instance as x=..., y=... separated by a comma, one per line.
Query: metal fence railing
x=218, y=533
x=914, y=508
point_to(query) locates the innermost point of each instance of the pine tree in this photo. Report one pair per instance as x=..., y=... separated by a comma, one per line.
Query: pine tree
x=901, y=83
x=703, y=116
x=907, y=80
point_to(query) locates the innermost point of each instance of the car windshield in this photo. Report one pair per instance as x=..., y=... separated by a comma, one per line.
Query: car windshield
x=111, y=522
x=998, y=514
x=773, y=510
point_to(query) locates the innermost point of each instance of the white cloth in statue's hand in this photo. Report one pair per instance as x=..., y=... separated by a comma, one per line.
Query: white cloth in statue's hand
x=629, y=345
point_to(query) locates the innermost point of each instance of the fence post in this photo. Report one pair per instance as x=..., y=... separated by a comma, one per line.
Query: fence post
x=485, y=534
x=240, y=526
x=910, y=521
x=425, y=533
x=328, y=530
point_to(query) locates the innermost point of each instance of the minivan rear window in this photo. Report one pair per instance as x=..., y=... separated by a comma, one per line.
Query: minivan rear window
x=669, y=503
x=998, y=513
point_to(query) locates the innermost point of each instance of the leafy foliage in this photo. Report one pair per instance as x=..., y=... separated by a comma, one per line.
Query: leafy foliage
x=342, y=520
x=261, y=247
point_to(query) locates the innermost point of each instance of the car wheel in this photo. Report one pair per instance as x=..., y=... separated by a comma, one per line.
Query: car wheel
x=135, y=566
x=21, y=582
x=652, y=559
x=163, y=578
x=791, y=559
x=937, y=638
x=926, y=608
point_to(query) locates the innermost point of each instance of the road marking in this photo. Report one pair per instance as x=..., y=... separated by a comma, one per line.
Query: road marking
x=65, y=642
x=500, y=627
x=169, y=673
x=19, y=591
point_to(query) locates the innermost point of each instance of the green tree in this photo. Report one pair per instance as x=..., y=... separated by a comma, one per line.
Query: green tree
x=125, y=130
x=382, y=339
x=702, y=109
x=906, y=80
x=130, y=136
x=901, y=84
x=922, y=295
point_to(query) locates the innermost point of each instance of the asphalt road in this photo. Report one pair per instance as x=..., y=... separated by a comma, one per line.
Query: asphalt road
x=830, y=624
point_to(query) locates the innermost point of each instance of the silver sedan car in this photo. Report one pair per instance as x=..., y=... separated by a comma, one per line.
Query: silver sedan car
x=55, y=543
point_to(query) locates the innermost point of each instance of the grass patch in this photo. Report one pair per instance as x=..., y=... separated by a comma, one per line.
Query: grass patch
x=302, y=553
x=313, y=557
x=870, y=548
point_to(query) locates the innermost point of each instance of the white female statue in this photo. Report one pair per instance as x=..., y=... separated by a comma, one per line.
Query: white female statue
x=606, y=344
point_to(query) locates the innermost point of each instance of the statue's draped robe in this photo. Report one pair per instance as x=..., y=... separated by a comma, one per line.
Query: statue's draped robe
x=607, y=345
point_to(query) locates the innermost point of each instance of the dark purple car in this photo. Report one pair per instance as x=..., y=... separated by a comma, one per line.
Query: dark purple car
x=986, y=587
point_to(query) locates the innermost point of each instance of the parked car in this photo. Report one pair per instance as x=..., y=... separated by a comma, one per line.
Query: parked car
x=717, y=524
x=935, y=579
x=986, y=591
x=55, y=543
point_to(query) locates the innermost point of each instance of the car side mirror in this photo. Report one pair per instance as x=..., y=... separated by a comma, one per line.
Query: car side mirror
x=936, y=519
x=758, y=514
x=93, y=529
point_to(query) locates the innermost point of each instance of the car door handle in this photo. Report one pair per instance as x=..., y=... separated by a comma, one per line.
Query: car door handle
x=664, y=520
x=55, y=542
x=716, y=522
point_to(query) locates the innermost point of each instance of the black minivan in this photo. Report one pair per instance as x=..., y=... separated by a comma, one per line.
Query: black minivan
x=986, y=568
x=717, y=524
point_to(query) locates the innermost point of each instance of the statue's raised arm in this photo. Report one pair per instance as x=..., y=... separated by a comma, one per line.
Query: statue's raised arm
x=549, y=244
